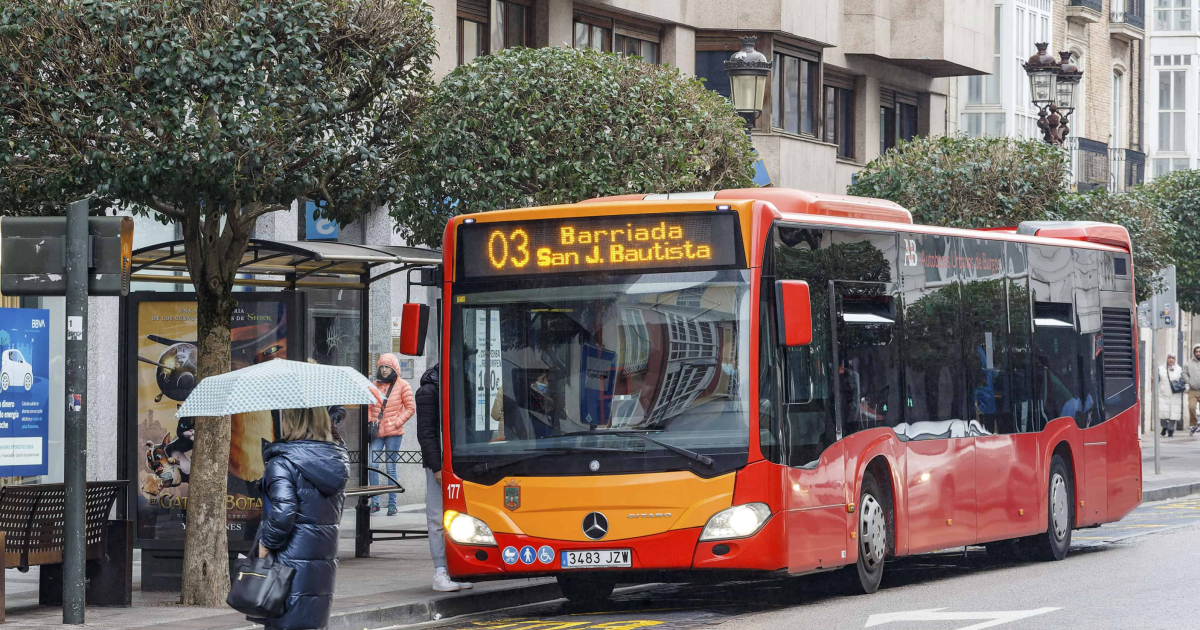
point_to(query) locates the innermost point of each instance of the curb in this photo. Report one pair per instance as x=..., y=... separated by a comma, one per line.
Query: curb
x=383, y=615
x=1170, y=492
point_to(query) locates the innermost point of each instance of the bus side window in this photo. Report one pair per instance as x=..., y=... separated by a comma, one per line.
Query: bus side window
x=770, y=438
x=1090, y=344
x=934, y=398
x=985, y=337
x=1020, y=334
x=1057, y=369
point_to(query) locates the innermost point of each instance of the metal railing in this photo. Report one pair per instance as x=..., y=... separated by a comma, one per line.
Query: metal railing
x=1097, y=5
x=1133, y=14
x=1089, y=163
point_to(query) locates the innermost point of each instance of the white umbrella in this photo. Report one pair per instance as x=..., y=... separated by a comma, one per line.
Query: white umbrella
x=278, y=384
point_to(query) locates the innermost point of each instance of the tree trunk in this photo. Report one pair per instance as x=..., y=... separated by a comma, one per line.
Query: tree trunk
x=213, y=255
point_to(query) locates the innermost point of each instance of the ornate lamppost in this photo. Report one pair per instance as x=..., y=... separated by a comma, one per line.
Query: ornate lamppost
x=1052, y=84
x=748, y=70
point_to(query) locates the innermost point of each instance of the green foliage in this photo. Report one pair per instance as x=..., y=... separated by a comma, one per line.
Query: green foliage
x=1177, y=195
x=558, y=125
x=967, y=182
x=1151, y=228
x=174, y=104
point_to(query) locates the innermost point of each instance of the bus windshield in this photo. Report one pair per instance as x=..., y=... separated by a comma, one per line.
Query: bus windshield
x=600, y=374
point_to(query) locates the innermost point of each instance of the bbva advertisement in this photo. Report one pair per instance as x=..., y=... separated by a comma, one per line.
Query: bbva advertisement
x=166, y=373
x=24, y=391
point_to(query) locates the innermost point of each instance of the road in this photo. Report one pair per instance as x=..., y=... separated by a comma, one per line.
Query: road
x=1143, y=572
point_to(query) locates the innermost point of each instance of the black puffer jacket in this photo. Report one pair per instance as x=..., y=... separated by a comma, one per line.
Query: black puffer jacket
x=303, y=483
x=429, y=419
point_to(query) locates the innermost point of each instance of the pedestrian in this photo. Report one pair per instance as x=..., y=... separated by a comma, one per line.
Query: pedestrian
x=396, y=408
x=1191, y=375
x=304, y=481
x=429, y=436
x=1170, y=395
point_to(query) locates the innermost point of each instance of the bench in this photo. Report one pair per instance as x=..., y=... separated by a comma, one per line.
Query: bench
x=364, y=534
x=32, y=532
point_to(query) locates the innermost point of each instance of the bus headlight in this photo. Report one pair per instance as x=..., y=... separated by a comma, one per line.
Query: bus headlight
x=738, y=521
x=467, y=530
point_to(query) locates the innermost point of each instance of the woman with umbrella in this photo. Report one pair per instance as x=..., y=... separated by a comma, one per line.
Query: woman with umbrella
x=305, y=471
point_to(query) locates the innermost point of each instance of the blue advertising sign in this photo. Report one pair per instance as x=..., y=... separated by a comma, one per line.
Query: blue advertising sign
x=316, y=229
x=24, y=391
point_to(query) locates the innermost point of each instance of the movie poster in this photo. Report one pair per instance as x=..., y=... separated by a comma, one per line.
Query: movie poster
x=166, y=374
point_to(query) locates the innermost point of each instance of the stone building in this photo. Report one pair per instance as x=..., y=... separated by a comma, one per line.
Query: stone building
x=1173, y=90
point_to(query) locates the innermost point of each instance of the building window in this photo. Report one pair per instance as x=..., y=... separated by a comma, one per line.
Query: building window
x=986, y=89
x=1172, y=15
x=1118, y=119
x=1172, y=86
x=839, y=120
x=510, y=25
x=979, y=124
x=472, y=40
x=897, y=118
x=794, y=88
x=591, y=35
x=710, y=66
x=1162, y=166
x=635, y=46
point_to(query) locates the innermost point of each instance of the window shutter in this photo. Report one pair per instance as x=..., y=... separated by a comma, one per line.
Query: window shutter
x=473, y=10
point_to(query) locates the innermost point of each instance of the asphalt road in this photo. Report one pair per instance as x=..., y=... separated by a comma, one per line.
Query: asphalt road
x=1143, y=572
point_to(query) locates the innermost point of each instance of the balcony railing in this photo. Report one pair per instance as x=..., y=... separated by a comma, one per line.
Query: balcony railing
x=1095, y=5
x=1089, y=163
x=1133, y=14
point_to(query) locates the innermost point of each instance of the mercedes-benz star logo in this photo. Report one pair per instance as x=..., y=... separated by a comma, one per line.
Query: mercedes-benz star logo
x=595, y=526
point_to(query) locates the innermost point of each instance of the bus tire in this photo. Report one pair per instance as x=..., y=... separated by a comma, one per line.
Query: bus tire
x=585, y=591
x=1056, y=542
x=873, y=516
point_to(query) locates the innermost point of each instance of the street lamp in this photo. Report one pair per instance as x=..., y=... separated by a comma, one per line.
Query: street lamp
x=1052, y=84
x=747, y=70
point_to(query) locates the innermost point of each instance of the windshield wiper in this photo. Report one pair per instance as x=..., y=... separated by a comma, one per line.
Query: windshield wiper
x=553, y=450
x=692, y=455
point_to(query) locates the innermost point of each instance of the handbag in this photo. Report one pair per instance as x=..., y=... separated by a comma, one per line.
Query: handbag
x=1177, y=387
x=260, y=586
x=373, y=425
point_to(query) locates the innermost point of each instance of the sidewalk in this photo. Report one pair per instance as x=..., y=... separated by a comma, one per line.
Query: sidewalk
x=1179, y=458
x=390, y=588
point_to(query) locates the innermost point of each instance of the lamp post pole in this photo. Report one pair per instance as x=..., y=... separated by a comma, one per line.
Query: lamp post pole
x=748, y=70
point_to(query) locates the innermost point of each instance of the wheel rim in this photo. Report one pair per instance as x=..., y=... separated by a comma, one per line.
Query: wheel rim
x=873, y=532
x=1058, y=506
x=28, y=381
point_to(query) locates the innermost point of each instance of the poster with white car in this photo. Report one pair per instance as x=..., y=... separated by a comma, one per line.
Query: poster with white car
x=24, y=391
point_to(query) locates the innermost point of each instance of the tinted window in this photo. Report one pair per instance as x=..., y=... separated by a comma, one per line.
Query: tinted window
x=804, y=254
x=710, y=66
x=867, y=355
x=934, y=394
x=770, y=432
x=1089, y=347
x=1020, y=333
x=985, y=335
x=1058, y=389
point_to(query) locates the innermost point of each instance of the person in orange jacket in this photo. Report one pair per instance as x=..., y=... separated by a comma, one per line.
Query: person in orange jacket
x=397, y=407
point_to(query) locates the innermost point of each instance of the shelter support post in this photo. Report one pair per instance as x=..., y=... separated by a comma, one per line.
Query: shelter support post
x=75, y=439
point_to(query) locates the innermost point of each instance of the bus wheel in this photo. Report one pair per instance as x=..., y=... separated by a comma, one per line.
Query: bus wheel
x=1056, y=542
x=585, y=591
x=872, y=537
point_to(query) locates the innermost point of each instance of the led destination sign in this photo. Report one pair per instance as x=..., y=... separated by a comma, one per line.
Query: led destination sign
x=620, y=243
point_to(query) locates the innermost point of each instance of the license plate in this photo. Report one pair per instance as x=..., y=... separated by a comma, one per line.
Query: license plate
x=597, y=558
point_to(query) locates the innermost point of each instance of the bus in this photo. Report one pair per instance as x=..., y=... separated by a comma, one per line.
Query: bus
x=761, y=382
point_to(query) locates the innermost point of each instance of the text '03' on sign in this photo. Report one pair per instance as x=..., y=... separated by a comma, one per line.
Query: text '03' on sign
x=619, y=243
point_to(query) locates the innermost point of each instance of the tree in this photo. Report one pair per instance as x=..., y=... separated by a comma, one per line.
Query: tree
x=209, y=113
x=558, y=125
x=967, y=182
x=1177, y=195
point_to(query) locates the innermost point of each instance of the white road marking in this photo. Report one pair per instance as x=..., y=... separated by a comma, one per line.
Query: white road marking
x=993, y=618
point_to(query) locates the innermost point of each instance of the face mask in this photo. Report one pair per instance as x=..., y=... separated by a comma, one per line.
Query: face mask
x=542, y=388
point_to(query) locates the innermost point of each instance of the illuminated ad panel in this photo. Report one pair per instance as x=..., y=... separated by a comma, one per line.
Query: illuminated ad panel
x=623, y=244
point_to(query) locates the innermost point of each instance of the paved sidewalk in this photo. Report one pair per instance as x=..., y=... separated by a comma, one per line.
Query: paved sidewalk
x=392, y=587
x=1179, y=458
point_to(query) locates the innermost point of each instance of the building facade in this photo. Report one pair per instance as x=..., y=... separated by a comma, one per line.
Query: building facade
x=850, y=78
x=1106, y=39
x=1173, y=90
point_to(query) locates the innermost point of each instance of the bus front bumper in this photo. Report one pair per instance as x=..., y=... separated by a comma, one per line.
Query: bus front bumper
x=655, y=556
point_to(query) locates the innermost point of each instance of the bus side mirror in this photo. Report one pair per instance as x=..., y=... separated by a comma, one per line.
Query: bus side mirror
x=414, y=324
x=793, y=312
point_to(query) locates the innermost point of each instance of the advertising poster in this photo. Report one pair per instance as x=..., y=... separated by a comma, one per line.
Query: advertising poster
x=166, y=374
x=24, y=391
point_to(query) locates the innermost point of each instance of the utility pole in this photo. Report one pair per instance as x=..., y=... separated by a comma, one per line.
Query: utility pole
x=75, y=444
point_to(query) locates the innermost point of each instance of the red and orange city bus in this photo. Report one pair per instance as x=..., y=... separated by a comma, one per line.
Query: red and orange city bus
x=768, y=381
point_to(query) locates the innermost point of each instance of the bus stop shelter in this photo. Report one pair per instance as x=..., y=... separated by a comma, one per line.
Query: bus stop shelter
x=273, y=277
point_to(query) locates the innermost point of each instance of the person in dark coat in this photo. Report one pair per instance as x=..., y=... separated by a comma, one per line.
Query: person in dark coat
x=429, y=436
x=304, y=481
